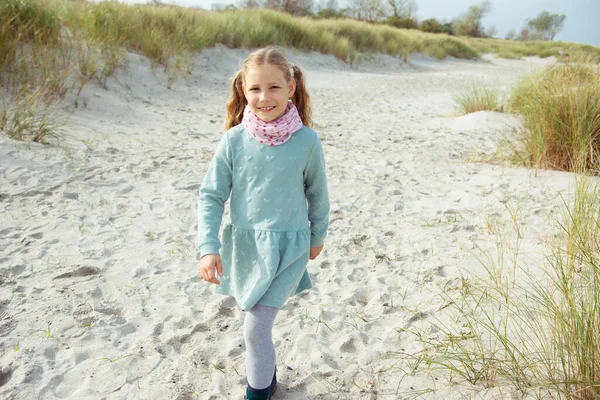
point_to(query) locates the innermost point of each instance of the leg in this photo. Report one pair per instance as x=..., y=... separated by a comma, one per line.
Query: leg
x=260, y=352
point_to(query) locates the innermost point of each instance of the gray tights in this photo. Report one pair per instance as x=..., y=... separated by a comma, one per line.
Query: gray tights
x=260, y=352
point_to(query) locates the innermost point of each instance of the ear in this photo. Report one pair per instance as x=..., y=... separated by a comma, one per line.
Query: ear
x=291, y=88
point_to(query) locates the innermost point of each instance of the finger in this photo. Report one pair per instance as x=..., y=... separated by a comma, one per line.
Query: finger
x=211, y=276
x=213, y=279
x=205, y=272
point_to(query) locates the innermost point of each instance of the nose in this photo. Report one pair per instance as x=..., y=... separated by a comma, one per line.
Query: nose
x=262, y=96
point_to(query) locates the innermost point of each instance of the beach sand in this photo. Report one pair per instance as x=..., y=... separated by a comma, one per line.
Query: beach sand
x=100, y=296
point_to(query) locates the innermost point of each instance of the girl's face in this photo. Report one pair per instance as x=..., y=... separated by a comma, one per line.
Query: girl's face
x=267, y=91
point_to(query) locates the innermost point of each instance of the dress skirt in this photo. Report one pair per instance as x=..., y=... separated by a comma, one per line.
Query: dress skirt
x=263, y=266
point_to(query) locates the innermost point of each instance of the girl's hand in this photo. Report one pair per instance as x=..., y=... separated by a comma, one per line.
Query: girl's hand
x=315, y=251
x=208, y=263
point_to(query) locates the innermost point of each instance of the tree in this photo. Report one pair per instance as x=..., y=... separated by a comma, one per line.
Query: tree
x=329, y=5
x=403, y=8
x=293, y=7
x=527, y=34
x=249, y=4
x=448, y=28
x=469, y=24
x=273, y=4
x=367, y=10
x=511, y=35
x=329, y=9
x=547, y=25
x=373, y=10
x=222, y=7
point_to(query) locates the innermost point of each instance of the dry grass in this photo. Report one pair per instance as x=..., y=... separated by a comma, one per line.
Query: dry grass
x=478, y=99
x=535, y=331
x=49, y=47
x=561, y=111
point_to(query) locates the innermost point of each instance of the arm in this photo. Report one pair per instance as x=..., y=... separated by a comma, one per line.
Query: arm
x=317, y=196
x=214, y=192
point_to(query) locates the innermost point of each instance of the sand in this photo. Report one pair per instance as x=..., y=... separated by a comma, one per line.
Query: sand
x=100, y=296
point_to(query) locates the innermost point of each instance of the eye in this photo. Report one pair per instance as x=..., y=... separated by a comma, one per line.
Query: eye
x=253, y=89
x=275, y=87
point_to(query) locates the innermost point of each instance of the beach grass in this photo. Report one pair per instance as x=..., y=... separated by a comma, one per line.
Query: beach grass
x=29, y=118
x=478, y=99
x=50, y=47
x=561, y=113
x=516, y=49
x=530, y=328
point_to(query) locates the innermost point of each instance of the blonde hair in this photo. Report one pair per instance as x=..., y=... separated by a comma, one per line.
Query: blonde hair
x=273, y=56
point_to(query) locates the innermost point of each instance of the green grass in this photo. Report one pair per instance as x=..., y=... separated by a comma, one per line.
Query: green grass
x=561, y=112
x=478, y=99
x=532, y=329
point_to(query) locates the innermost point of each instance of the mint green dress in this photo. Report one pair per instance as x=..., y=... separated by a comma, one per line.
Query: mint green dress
x=279, y=208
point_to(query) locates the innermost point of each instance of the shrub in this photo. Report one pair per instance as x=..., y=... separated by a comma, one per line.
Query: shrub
x=431, y=25
x=402, y=22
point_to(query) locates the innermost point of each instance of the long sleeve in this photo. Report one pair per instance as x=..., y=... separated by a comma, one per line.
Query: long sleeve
x=317, y=196
x=214, y=192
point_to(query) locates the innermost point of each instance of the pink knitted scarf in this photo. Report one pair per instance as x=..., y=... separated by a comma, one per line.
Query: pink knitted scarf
x=275, y=132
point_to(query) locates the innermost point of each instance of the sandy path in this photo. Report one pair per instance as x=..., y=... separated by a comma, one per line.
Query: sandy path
x=99, y=294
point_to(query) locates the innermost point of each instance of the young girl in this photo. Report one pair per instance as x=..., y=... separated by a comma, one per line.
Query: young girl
x=272, y=164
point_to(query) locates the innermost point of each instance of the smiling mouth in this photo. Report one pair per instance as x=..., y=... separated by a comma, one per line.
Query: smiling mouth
x=266, y=109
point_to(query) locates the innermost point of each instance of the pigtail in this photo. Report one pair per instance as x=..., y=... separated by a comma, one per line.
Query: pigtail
x=301, y=99
x=236, y=103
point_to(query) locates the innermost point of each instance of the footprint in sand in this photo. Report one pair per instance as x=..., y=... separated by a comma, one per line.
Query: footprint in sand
x=348, y=346
x=37, y=235
x=415, y=318
x=158, y=329
x=5, y=232
x=355, y=275
x=5, y=375
x=236, y=351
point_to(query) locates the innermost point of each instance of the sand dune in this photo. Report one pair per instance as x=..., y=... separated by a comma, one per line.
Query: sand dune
x=100, y=296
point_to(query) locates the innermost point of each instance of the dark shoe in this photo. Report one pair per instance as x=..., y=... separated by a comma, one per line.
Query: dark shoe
x=262, y=394
x=253, y=394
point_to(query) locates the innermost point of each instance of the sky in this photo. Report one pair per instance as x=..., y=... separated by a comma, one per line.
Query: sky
x=581, y=26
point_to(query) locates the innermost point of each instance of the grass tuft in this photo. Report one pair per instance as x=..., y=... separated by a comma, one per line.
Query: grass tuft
x=29, y=118
x=561, y=111
x=478, y=99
